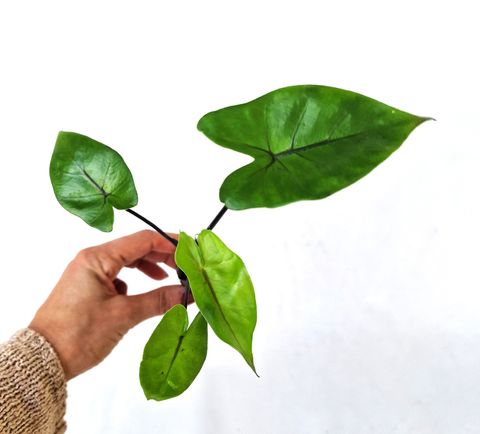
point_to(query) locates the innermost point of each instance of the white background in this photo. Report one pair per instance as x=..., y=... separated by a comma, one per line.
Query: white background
x=368, y=301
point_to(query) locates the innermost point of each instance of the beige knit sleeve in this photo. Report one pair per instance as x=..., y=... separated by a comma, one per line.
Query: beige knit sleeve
x=32, y=386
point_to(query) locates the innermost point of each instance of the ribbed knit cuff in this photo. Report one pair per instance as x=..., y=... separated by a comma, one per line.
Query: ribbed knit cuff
x=32, y=386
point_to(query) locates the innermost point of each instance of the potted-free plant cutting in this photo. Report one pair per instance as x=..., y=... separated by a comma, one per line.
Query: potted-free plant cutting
x=307, y=142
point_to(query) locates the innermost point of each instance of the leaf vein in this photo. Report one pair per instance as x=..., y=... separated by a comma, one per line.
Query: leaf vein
x=175, y=354
x=222, y=313
x=326, y=142
x=267, y=131
x=297, y=127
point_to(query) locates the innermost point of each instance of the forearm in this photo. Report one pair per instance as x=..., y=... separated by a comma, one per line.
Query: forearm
x=32, y=386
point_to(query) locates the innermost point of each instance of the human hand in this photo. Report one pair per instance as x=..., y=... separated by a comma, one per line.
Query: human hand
x=88, y=311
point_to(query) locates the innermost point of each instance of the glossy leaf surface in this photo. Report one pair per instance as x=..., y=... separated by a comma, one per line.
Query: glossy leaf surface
x=90, y=179
x=222, y=289
x=308, y=142
x=173, y=355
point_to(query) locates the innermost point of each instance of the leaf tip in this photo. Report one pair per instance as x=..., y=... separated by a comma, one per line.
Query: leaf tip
x=422, y=119
x=249, y=359
x=201, y=122
x=106, y=229
x=252, y=365
x=61, y=133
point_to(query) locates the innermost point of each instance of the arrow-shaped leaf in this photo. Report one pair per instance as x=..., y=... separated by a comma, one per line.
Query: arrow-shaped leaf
x=308, y=142
x=89, y=179
x=222, y=289
x=173, y=355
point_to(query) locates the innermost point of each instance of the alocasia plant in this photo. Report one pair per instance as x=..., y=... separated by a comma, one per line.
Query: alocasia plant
x=307, y=143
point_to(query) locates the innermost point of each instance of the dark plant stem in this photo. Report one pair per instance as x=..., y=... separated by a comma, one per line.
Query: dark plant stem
x=186, y=294
x=184, y=281
x=217, y=218
x=154, y=226
x=180, y=273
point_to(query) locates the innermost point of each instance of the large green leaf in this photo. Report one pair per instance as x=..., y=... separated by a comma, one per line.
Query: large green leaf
x=222, y=289
x=89, y=179
x=174, y=355
x=307, y=141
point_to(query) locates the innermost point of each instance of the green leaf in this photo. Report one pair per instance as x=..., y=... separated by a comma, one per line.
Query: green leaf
x=308, y=142
x=222, y=289
x=173, y=355
x=89, y=179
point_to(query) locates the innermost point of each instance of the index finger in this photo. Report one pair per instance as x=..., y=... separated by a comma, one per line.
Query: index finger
x=125, y=251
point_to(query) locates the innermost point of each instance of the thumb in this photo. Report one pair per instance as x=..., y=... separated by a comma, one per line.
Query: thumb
x=153, y=303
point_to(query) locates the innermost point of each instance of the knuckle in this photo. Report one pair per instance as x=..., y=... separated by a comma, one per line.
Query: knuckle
x=97, y=259
x=85, y=255
x=147, y=233
x=161, y=302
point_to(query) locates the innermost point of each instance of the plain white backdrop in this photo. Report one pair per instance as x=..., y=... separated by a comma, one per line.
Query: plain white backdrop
x=368, y=301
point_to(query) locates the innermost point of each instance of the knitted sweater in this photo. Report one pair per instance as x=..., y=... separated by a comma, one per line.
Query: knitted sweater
x=32, y=386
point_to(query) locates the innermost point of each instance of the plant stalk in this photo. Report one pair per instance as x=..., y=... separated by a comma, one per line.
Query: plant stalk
x=154, y=226
x=217, y=218
x=181, y=275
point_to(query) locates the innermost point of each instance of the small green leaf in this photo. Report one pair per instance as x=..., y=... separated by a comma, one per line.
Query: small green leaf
x=222, y=289
x=307, y=142
x=89, y=179
x=173, y=355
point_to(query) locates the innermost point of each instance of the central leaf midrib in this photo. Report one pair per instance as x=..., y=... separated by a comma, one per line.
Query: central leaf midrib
x=214, y=295
x=87, y=176
x=330, y=141
x=315, y=145
x=175, y=354
x=215, y=299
